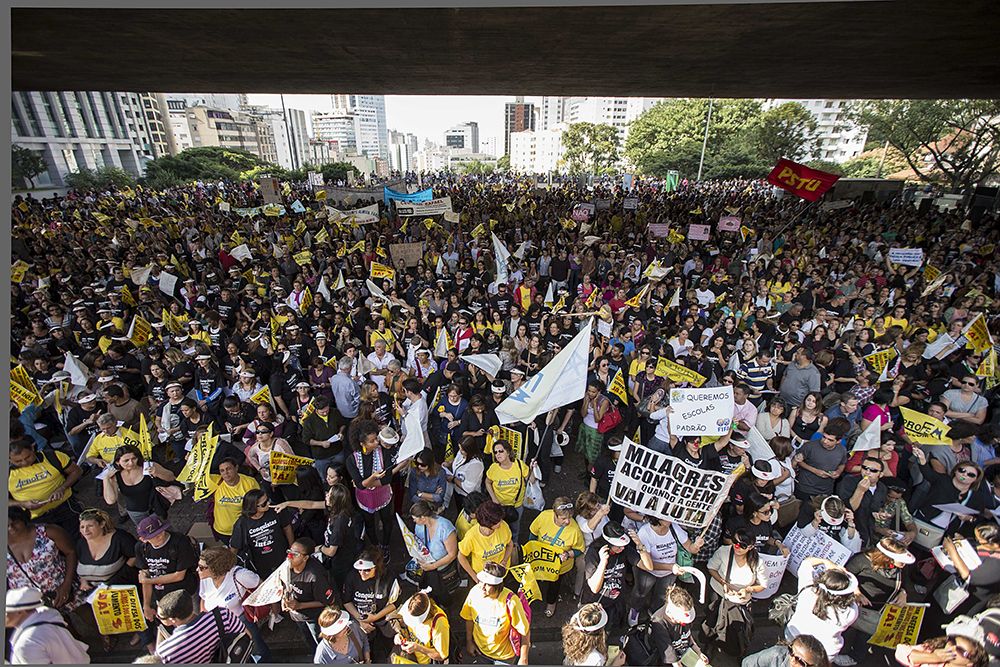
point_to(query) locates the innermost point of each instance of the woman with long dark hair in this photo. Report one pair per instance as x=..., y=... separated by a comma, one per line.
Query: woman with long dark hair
x=736, y=574
x=369, y=594
x=826, y=604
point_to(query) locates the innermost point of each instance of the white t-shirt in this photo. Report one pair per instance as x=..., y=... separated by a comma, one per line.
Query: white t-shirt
x=588, y=534
x=828, y=631
x=228, y=595
x=468, y=474
x=662, y=548
x=739, y=575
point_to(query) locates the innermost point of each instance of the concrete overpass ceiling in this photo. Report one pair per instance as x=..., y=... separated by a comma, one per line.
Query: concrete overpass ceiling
x=879, y=48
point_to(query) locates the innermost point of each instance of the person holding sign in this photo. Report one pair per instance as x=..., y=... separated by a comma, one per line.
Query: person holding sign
x=558, y=529
x=882, y=579
x=605, y=564
x=259, y=456
x=960, y=487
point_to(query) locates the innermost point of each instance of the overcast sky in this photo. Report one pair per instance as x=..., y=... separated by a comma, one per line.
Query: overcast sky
x=427, y=116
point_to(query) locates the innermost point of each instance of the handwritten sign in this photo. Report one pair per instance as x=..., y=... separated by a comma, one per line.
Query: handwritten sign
x=701, y=411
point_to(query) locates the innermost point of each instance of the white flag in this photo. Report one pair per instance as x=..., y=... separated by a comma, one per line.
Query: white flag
x=550, y=297
x=441, y=344
x=340, y=284
x=141, y=276
x=365, y=365
x=323, y=289
x=870, y=438
x=567, y=370
x=413, y=436
x=675, y=300
x=488, y=362
x=414, y=547
x=78, y=372
x=521, y=249
x=167, y=283
x=374, y=290
x=502, y=257
x=241, y=253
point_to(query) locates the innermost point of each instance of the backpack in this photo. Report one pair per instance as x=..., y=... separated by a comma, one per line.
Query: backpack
x=638, y=646
x=782, y=608
x=234, y=648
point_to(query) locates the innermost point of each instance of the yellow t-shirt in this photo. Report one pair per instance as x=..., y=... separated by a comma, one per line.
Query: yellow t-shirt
x=40, y=480
x=892, y=321
x=569, y=538
x=463, y=523
x=386, y=336
x=437, y=639
x=105, y=446
x=480, y=549
x=490, y=624
x=229, y=501
x=509, y=485
x=203, y=337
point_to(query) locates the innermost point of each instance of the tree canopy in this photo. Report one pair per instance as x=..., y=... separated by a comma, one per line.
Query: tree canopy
x=25, y=165
x=590, y=147
x=213, y=163
x=787, y=130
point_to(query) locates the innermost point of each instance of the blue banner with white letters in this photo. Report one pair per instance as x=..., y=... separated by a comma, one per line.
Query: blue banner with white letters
x=423, y=195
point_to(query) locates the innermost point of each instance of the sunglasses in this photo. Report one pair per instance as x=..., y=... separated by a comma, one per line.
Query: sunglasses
x=293, y=552
x=263, y=432
x=871, y=469
x=971, y=474
x=971, y=384
x=958, y=649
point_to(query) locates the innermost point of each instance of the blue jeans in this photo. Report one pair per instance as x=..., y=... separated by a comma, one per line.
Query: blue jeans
x=261, y=652
x=658, y=445
x=28, y=419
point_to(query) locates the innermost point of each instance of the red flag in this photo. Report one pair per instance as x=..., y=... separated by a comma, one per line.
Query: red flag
x=810, y=184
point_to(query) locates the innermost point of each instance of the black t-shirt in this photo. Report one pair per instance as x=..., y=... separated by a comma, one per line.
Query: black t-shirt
x=179, y=553
x=761, y=533
x=613, y=591
x=709, y=457
x=344, y=532
x=120, y=549
x=603, y=471
x=370, y=597
x=262, y=541
x=78, y=415
x=310, y=585
x=671, y=640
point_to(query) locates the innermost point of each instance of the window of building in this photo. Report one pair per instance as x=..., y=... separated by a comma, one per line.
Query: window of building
x=829, y=104
x=50, y=112
x=20, y=127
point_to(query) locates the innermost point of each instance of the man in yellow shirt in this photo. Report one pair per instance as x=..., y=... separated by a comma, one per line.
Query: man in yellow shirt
x=102, y=450
x=228, y=489
x=487, y=541
x=42, y=482
x=491, y=611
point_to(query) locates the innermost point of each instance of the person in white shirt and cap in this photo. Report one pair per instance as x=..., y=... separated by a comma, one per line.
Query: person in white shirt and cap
x=342, y=641
x=41, y=636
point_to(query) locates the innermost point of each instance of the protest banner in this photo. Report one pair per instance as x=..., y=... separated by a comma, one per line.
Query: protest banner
x=167, y=283
x=663, y=486
x=419, y=208
x=835, y=205
x=269, y=590
x=906, y=256
x=262, y=397
x=699, y=232
x=315, y=178
x=414, y=546
x=195, y=470
x=879, y=360
x=775, y=568
x=602, y=204
x=282, y=467
x=568, y=369
x=580, y=215
x=379, y=271
x=17, y=271
x=388, y=194
x=659, y=229
x=931, y=273
x=898, y=624
x=529, y=583
x=118, y=610
x=511, y=437
x=729, y=223
x=409, y=253
x=819, y=544
x=800, y=180
x=665, y=368
x=140, y=332
x=701, y=411
x=274, y=210
x=269, y=190
x=978, y=334
x=923, y=429
x=544, y=560
x=630, y=204
x=302, y=258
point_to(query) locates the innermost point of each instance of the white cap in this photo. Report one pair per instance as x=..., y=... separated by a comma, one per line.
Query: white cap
x=363, y=564
x=87, y=398
x=23, y=599
x=337, y=626
x=766, y=470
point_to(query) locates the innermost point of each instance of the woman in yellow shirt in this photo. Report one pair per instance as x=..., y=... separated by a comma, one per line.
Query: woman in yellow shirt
x=507, y=480
x=491, y=612
x=488, y=540
x=423, y=636
x=563, y=540
x=227, y=490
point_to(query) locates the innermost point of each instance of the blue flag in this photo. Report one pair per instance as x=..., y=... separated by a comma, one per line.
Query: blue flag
x=298, y=207
x=423, y=195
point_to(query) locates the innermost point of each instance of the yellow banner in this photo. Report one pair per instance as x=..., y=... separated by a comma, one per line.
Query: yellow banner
x=118, y=610
x=898, y=625
x=262, y=397
x=322, y=236
x=199, y=460
x=382, y=271
x=145, y=443
x=142, y=332
x=513, y=439
x=529, y=583
x=17, y=271
x=879, y=360
x=978, y=334
x=617, y=387
x=988, y=367
x=282, y=467
x=544, y=560
x=479, y=230
x=634, y=301
x=21, y=397
x=678, y=373
x=302, y=258
x=924, y=429
x=931, y=273
x=320, y=195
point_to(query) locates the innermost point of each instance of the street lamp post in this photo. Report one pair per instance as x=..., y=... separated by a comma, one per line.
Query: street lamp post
x=704, y=143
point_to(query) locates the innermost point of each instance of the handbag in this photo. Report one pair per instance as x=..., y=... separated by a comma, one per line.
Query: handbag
x=637, y=646
x=684, y=557
x=611, y=419
x=951, y=594
x=533, y=498
x=928, y=535
x=254, y=613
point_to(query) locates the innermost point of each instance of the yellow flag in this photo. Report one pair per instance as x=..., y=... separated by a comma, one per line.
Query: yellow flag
x=307, y=300
x=357, y=247
x=382, y=271
x=931, y=273
x=634, y=301
x=300, y=229
x=509, y=207
x=678, y=373
x=592, y=298
x=978, y=334
x=140, y=332
x=529, y=583
x=100, y=217
x=379, y=251
x=342, y=250
x=302, y=258
x=321, y=195
x=145, y=443
x=879, y=360
x=322, y=236
x=924, y=429
x=618, y=387
x=480, y=230
x=560, y=304
x=18, y=270
x=262, y=397
x=988, y=367
x=745, y=232
x=127, y=296
x=674, y=237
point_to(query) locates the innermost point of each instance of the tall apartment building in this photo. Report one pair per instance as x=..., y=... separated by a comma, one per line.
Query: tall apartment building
x=71, y=130
x=463, y=137
x=336, y=126
x=229, y=129
x=371, y=131
x=537, y=151
x=518, y=117
x=402, y=151
x=550, y=112
x=619, y=112
x=230, y=101
x=838, y=140
x=320, y=153
x=488, y=146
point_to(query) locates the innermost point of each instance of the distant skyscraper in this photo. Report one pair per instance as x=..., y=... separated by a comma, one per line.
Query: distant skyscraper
x=551, y=112
x=464, y=136
x=488, y=146
x=402, y=151
x=518, y=117
x=372, y=134
x=838, y=140
x=338, y=126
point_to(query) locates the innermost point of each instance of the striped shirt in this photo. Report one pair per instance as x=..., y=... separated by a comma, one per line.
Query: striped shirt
x=196, y=642
x=755, y=376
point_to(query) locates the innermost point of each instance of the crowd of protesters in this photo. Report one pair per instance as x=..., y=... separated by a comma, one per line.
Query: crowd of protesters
x=786, y=310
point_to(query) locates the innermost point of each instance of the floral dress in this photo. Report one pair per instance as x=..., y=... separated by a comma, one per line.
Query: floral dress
x=46, y=570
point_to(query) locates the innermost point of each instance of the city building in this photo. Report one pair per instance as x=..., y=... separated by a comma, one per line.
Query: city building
x=458, y=159
x=433, y=158
x=72, y=130
x=321, y=152
x=488, y=146
x=338, y=126
x=368, y=112
x=537, y=151
x=402, y=151
x=229, y=101
x=518, y=117
x=838, y=140
x=222, y=127
x=550, y=112
x=463, y=137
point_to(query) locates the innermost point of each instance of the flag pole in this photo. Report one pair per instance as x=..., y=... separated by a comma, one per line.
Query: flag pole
x=794, y=218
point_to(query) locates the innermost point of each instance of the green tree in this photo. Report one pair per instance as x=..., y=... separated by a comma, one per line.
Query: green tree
x=337, y=171
x=787, y=130
x=102, y=179
x=476, y=167
x=668, y=134
x=25, y=165
x=827, y=166
x=867, y=164
x=590, y=146
x=503, y=164
x=953, y=142
x=205, y=163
